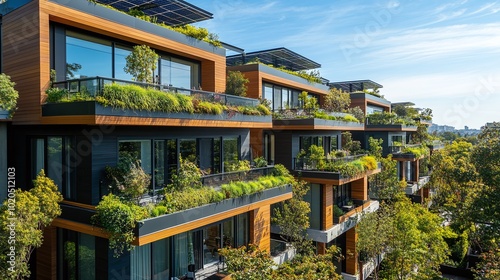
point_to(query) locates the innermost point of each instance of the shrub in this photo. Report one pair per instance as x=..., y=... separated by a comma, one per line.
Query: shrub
x=8, y=94
x=240, y=165
x=236, y=83
x=158, y=210
x=369, y=162
x=260, y=162
x=55, y=95
x=265, y=111
x=350, y=118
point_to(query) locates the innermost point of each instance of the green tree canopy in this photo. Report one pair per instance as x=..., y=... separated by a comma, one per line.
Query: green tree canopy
x=236, y=83
x=141, y=63
x=33, y=210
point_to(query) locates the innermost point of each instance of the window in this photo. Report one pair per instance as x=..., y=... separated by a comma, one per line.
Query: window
x=370, y=109
x=87, y=56
x=231, y=151
x=77, y=257
x=277, y=105
x=281, y=97
x=56, y=155
x=397, y=138
x=121, y=52
x=242, y=230
x=268, y=92
x=313, y=196
x=136, y=150
x=342, y=194
x=334, y=143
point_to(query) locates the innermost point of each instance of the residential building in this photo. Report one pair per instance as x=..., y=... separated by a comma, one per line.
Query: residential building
x=86, y=44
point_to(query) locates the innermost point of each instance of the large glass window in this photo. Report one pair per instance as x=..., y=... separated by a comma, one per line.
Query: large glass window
x=231, y=152
x=268, y=92
x=87, y=56
x=161, y=259
x=242, y=230
x=121, y=52
x=77, y=257
x=55, y=156
x=277, y=105
x=136, y=150
x=342, y=194
x=313, y=196
x=140, y=262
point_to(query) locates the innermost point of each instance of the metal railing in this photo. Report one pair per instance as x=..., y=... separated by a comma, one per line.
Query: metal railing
x=306, y=163
x=228, y=177
x=94, y=86
x=399, y=149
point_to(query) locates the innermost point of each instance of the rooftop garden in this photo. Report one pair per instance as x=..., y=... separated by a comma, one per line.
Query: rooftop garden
x=199, y=33
x=348, y=166
x=119, y=211
x=416, y=150
x=311, y=109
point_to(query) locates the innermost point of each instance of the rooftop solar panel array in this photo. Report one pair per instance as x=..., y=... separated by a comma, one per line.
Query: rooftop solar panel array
x=277, y=57
x=170, y=12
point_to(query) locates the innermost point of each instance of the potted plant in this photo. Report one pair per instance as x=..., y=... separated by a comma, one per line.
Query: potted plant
x=8, y=97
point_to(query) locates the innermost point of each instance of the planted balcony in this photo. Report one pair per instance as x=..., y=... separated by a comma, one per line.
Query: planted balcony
x=409, y=151
x=435, y=145
x=151, y=103
x=191, y=200
x=389, y=122
x=348, y=167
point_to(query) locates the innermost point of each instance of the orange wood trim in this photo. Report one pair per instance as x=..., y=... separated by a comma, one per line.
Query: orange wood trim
x=260, y=227
x=367, y=128
x=327, y=198
x=205, y=221
x=352, y=256
x=79, y=227
x=359, y=188
x=321, y=248
x=114, y=120
x=46, y=255
x=80, y=205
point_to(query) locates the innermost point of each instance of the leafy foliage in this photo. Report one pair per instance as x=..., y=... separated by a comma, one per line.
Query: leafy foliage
x=141, y=63
x=352, y=146
x=33, y=210
x=337, y=101
x=293, y=219
x=489, y=267
x=236, y=83
x=187, y=176
x=118, y=218
x=386, y=118
x=8, y=94
x=260, y=162
x=238, y=165
x=248, y=263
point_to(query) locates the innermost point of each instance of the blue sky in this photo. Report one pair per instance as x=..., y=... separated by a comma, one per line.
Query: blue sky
x=443, y=55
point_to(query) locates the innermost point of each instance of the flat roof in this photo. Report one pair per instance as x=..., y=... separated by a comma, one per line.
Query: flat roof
x=277, y=57
x=170, y=12
x=402, y=104
x=356, y=84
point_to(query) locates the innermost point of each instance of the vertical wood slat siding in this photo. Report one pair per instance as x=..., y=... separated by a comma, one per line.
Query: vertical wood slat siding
x=25, y=36
x=46, y=255
x=257, y=142
x=359, y=189
x=254, y=86
x=320, y=248
x=352, y=257
x=327, y=197
x=260, y=227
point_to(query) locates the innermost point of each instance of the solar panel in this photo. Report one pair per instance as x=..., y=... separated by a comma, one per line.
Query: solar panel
x=170, y=12
x=280, y=57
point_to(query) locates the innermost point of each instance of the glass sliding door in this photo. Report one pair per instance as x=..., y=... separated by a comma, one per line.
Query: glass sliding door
x=212, y=244
x=87, y=56
x=160, y=166
x=161, y=259
x=206, y=155
x=121, y=52
x=140, y=262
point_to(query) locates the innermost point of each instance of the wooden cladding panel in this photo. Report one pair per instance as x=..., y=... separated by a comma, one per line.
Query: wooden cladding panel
x=46, y=255
x=257, y=142
x=254, y=86
x=359, y=188
x=426, y=192
x=260, y=227
x=79, y=227
x=22, y=49
x=213, y=75
x=291, y=84
x=352, y=257
x=320, y=248
x=327, y=199
x=416, y=170
x=358, y=102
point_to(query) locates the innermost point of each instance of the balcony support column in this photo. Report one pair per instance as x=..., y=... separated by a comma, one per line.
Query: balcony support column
x=402, y=168
x=352, y=257
x=359, y=189
x=327, y=202
x=260, y=228
x=46, y=255
x=321, y=248
x=416, y=170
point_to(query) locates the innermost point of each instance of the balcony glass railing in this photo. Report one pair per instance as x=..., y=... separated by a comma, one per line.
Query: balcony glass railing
x=93, y=86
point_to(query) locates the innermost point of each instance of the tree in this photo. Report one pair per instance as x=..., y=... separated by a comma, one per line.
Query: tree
x=415, y=242
x=8, y=95
x=236, y=83
x=32, y=211
x=337, y=101
x=489, y=266
x=248, y=263
x=293, y=219
x=374, y=224
x=358, y=113
x=141, y=63
x=353, y=146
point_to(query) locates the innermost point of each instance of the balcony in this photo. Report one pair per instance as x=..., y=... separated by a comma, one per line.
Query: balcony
x=300, y=119
x=436, y=145
x=216, y=201
x=99, y=100
x=413, y=187
x=367, y=268
x=409, y=152
x=389, y=122
x=337, y=170
x=345, y=223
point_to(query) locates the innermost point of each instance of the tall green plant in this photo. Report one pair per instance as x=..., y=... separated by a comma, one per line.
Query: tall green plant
x=8, y=95
x=236, y=83
x=141, y=63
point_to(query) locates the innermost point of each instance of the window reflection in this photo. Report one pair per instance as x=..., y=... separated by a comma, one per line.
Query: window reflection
x=121, y=52
x=87, y=56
